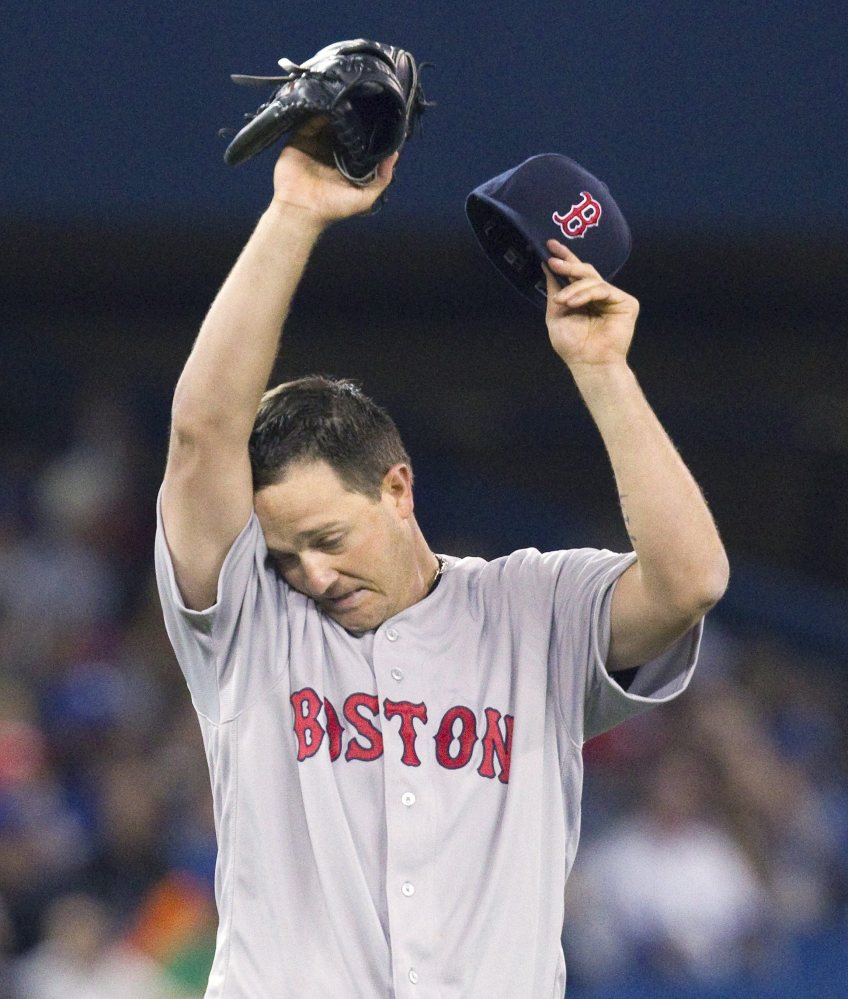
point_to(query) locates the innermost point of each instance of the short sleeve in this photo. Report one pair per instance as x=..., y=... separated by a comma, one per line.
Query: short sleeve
x=589, y=699
x=232, y=650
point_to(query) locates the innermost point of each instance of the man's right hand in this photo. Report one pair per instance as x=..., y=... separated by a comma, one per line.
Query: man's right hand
x=306, y=179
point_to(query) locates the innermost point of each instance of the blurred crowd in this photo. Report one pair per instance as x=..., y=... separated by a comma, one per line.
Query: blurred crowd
x=715, y=829
x=107, y=842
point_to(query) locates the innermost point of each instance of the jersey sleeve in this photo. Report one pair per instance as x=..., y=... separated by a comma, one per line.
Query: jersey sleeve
x=234, y=649
x=589, y=699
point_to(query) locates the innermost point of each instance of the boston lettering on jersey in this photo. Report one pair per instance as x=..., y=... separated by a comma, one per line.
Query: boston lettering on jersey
x=455, y=739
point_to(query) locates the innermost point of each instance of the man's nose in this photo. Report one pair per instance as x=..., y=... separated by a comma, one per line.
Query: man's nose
x=318, y=574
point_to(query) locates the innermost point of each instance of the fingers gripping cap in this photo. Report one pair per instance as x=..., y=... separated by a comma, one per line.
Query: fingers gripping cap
x=547, y=197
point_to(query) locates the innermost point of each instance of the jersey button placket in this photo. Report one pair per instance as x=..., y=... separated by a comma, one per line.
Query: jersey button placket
x=408, y=924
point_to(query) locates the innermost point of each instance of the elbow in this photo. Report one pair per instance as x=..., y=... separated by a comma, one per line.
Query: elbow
x=693, y=590
x=706, y=586
x=719, y=578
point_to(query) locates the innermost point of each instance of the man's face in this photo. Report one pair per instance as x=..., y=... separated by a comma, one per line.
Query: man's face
x=353, y=555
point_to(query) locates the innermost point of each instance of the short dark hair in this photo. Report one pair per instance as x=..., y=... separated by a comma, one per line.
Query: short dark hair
x=317, y=418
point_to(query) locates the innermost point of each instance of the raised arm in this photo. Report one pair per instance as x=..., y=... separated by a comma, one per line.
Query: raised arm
x=682, y=569
x=207, y=492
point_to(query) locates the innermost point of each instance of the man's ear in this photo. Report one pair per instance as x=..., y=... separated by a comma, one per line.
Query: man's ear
x=397, y=488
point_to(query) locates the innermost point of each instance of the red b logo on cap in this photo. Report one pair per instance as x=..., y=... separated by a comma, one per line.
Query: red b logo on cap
x=579, y=218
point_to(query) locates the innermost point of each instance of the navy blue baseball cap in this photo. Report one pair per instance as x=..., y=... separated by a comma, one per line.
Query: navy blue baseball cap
x=547, y=197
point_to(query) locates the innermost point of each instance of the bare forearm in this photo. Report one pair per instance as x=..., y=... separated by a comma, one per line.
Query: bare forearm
x=681, y=570
x=681, y=557
x=234, y=353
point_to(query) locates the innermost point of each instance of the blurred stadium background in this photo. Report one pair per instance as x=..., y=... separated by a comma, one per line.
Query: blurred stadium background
x=714, y=858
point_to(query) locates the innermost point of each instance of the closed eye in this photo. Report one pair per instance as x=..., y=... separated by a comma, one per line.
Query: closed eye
x=289, y=560
x=330, y=544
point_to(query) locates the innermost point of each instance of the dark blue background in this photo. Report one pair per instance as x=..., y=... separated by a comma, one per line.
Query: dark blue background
x=696, y=114
x=720, y=129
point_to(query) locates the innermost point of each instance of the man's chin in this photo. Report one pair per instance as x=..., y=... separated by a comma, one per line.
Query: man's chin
x=357, y=623
x=354, y=613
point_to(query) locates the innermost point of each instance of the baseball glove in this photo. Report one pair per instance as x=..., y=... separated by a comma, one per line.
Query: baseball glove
x=369, y=93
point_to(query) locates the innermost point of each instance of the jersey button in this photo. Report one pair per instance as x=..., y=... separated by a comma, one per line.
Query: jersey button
x=392, y=635
x=397, y=674
x=407, y=888
x=413, y=976
x=408, y=798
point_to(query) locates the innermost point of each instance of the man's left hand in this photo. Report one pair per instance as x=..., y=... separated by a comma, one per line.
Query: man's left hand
x=590, y=322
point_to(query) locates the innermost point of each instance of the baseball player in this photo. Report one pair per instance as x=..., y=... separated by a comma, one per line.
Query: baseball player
x=393, y=735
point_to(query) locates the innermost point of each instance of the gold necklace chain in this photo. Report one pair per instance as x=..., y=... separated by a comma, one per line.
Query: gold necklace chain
x=439, y=570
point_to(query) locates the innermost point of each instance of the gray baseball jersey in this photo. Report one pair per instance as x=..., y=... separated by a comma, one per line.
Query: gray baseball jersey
x=397, y=812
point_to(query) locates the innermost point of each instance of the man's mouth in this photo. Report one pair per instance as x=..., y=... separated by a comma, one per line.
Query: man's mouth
x=344, y=602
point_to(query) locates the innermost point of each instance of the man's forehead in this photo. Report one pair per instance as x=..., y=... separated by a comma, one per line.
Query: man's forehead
x=300, y=522
x=301, y=488
x=309, y=501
